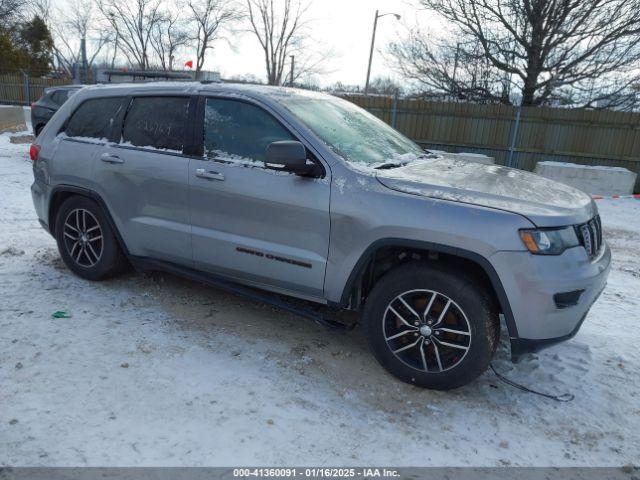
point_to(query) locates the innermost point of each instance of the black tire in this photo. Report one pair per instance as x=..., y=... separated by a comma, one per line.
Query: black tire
x=471, y=309
x=102, y=258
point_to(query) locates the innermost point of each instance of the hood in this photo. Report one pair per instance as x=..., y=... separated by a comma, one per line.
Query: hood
x=545, y=202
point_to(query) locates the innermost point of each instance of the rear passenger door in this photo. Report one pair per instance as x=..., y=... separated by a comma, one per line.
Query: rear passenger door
x=142, y=175
x=87, y=129
x=260, y=226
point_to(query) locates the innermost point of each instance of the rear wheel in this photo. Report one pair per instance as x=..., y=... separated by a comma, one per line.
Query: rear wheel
x=431, y=327
x=86, y=241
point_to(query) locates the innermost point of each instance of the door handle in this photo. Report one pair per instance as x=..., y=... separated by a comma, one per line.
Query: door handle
x=107, y=157
x=202, y=173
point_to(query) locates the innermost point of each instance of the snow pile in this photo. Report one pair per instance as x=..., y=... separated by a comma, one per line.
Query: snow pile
x=581, y=166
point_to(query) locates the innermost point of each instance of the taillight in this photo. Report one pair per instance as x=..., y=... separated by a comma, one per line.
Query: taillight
x=33, y=104
x=34, y=151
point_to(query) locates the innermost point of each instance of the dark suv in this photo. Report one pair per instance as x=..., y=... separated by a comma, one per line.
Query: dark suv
x=51, y=100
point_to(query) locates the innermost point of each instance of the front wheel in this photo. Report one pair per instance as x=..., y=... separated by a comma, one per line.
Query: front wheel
x=431, y=327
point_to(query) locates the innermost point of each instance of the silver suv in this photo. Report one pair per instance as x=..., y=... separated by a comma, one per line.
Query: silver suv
x=307, y=195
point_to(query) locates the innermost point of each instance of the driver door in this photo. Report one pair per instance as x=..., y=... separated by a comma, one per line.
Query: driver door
x=256, y=225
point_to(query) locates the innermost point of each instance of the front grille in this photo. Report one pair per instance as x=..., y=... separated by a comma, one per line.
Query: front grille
x=590, y=235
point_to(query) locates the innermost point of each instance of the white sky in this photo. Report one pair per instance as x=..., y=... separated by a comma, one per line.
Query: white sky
x=342, y=26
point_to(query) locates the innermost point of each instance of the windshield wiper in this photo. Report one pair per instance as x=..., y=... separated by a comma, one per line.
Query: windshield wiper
x=390, y=164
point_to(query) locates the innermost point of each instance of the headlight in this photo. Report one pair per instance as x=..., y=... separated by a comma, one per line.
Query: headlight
x=549, y=241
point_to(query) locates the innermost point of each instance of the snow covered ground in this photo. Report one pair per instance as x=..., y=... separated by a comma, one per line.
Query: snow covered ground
x=156, y=370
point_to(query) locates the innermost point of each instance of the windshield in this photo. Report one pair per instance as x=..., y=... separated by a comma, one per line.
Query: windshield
x=350, y=131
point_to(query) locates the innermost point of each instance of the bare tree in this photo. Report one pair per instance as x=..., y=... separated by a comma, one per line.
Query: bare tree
x=551, y=50
x=209, y=18
x=77, y=21
x=133, y=22
x=385, y=86
x=340, y=87
x=167, y=37
x=307, y=64
x=439, y=68
x=10, y=11
x=33, y=8
x=249, y=78
x=281, y=30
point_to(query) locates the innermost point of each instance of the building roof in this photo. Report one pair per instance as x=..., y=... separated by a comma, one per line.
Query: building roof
x=145, y=73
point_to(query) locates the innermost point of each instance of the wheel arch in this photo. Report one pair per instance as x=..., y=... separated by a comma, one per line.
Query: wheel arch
x=62, y=192
x=432, y=252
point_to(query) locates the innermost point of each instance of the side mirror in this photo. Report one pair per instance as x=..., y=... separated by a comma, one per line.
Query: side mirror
x=289, y=156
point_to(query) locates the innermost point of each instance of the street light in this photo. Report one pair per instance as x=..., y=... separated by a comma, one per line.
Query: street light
x=373, y=41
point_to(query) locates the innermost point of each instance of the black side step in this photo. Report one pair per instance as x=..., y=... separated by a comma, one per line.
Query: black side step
x=232, y=287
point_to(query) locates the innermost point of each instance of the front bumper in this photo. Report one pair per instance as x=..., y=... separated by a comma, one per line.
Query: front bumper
x=532, y=281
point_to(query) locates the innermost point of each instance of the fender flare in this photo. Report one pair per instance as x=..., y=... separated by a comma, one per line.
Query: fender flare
x=85, y=192
x=480, y=260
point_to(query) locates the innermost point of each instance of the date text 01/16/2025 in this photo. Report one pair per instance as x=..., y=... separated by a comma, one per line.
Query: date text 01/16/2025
x=319, y=472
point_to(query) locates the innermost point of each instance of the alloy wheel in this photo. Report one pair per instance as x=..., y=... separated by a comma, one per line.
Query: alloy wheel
x=426, y=330
x=83, y=237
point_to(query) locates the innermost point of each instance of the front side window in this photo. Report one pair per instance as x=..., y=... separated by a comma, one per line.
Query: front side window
x=156, y=122
x=94, y=118
x=350, y=131
x=239, y=131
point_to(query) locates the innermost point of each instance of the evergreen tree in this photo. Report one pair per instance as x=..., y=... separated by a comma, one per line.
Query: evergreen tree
x=28, y=46
x=37, y=45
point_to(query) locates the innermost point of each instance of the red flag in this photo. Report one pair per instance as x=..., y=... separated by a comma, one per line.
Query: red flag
x=189, y=64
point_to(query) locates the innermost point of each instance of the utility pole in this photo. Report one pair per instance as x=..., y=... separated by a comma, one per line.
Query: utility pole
x=455, y=62
x=373, y=41
x=293, y=64
x=115, y=46
x=115, y=51
x=83, y=53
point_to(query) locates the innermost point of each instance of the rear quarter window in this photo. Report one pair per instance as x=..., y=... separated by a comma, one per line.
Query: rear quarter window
x=94, y=118
x=156, y=122
x=59, y=96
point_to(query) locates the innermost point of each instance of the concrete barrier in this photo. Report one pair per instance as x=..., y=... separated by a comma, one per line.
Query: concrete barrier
x=466, y=156
x=593, y=180
x=14, y=118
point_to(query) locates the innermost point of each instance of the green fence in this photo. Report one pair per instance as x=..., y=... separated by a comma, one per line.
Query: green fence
x=519, y=137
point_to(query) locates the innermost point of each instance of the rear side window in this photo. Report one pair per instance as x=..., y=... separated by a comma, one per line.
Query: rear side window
x=156, y=122
x=94, y=118
x=239, y=131
x=59, y=96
